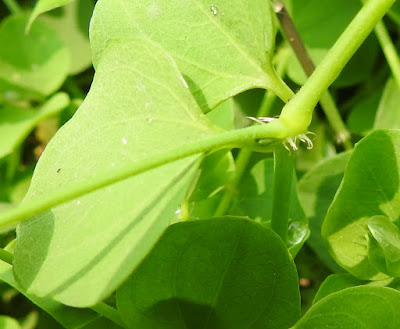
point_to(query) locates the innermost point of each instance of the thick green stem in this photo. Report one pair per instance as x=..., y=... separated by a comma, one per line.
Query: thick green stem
x=327, y=103
x=389, y=50
x=229, y=139
x=282, y=188
x=244, y=155
x=12, y=6
x=109, y=313
x=297, y=114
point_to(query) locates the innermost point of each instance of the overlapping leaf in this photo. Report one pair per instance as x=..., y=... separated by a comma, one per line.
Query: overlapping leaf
x=254, y=199
x=221, y=47
x=70, y=318
x=356, y=308
x=370, y=187
x=17, y=122
x=138, y=106
x=8, y=323
x=384, y=245
x=31, y=66
x=76, y=15
x=387, y=116
x=219, y=273
x=45, y=5
x=317, y=189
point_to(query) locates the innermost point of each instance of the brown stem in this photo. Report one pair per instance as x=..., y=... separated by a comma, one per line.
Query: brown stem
x=328, y=106
x=291, y=34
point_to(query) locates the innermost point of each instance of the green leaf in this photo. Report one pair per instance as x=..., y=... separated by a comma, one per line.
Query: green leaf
x=384, y=245
x=17, y=122
x=76, y=16
x=218, y=273
x=45, y=5
x=223, y=115
x=370, y=187
x=355, y=308
x=138, y=106
x=8, y=323
x=102, y=323
x=216, y=170
x=362, y=116
x=335, y=283
x=388, y=116
x=70, y=318
x=317, y=189
x=320, y=23
x=254, y=199
x=221, y=49
x=31, y=66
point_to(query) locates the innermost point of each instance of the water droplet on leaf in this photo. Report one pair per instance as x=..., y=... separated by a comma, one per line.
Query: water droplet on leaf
x=213, y=9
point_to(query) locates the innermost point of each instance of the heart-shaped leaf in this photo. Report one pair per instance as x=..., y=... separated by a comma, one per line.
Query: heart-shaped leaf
x=222, y=47
x=370, y=187
x=219, y=273
x=138, y=106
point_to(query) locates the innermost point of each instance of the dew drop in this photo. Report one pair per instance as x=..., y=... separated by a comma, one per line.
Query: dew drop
x=113, y=164
x=78, y=202
x=213, y=9
x=178, y=211
x=149, y=120
x=124, y=140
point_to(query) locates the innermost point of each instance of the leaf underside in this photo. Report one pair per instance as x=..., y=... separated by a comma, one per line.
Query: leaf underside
x=138, y=106
x=221, y=49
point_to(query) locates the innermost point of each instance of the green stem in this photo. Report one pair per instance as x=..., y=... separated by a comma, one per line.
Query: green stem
x=297, y=114
x=327, y=103
x=13, y=6
x=243, y=158
x=389, y=50
x=6, y=256
x=335, y=120
x=282, y=188
x=229, y=139
x=109, y=312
